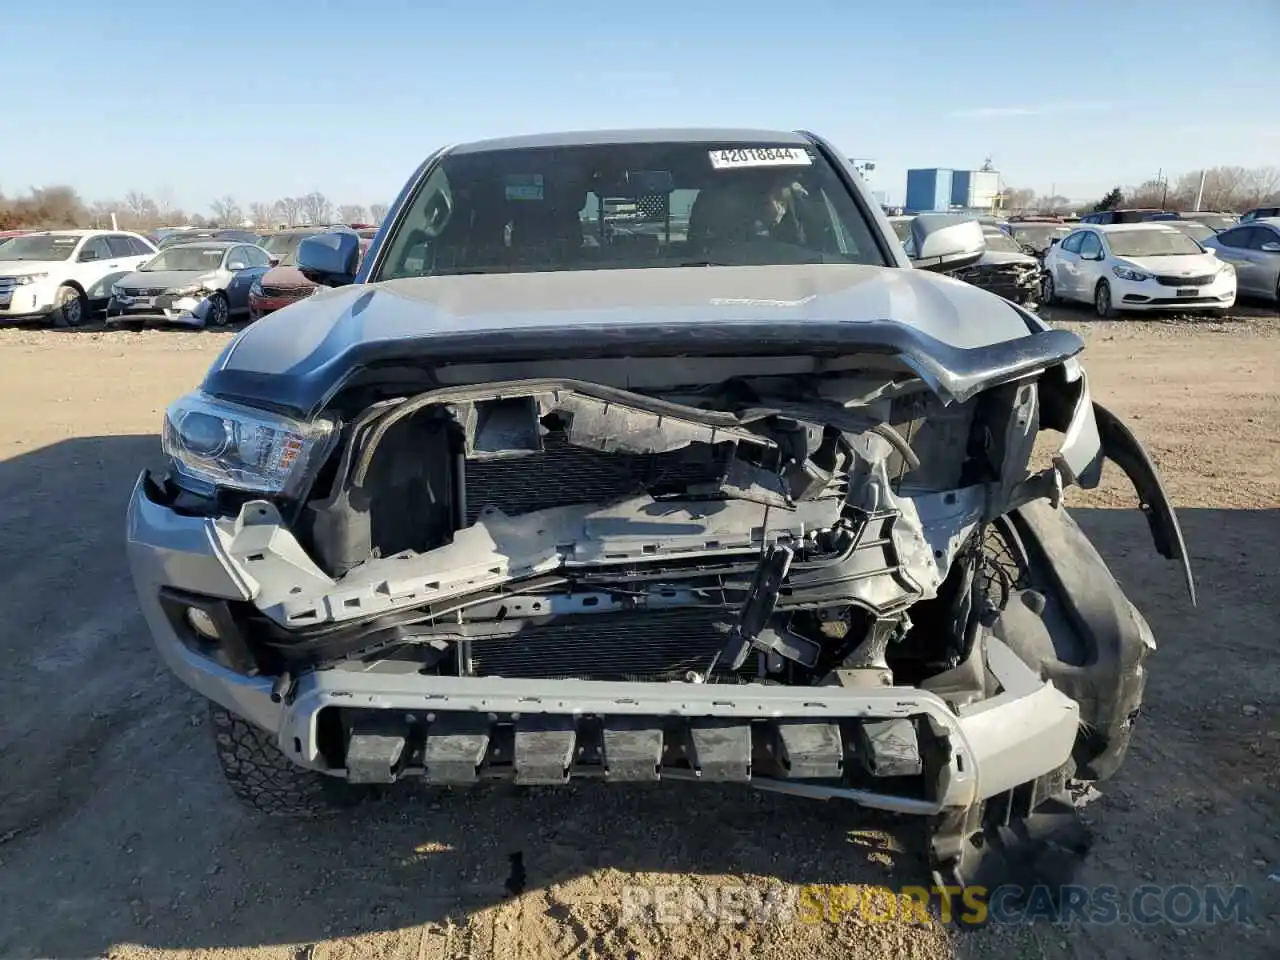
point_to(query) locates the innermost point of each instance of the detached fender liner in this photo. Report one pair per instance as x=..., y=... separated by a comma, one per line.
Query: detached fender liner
x=1109, y=684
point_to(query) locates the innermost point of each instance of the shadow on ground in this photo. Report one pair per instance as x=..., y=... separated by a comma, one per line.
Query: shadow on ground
x=119, y=830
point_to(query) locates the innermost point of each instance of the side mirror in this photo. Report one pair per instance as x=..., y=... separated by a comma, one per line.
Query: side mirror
x=273, y=260
x=1055, y=241
x=237, y=265
x=329, y=259
x=1271, y=246
x=943, y=242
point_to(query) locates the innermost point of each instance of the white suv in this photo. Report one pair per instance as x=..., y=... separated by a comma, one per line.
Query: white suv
x=61, y=273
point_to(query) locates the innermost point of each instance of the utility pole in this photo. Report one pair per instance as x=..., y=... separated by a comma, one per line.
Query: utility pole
x=1200, y=191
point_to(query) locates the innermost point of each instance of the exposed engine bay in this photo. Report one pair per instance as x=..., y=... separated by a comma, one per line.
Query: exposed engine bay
x=756, y=527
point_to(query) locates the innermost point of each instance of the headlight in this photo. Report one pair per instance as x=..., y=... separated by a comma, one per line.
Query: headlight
x=189, y=290
x=1227, y=268
x=117, y=290
x=29, y=278
x=1124, y=273
x=229, y=445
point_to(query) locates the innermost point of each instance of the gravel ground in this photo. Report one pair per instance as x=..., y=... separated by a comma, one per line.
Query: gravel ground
x=118, y=837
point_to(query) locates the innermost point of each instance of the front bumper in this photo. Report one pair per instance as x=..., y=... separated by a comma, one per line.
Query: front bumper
x=1150, y=295
x=186, y=311
x=261, y=304
x=1023, y=733
x=25, y=302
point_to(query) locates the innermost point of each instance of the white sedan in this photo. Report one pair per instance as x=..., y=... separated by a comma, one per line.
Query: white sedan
x=1137, y=266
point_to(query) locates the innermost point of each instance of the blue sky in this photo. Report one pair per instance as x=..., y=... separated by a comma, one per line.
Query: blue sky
x=279, y=97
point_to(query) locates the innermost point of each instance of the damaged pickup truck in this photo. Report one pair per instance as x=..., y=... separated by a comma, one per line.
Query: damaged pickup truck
x=736, y=493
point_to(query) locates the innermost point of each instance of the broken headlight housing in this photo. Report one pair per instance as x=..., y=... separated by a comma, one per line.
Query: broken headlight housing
x=221, y=444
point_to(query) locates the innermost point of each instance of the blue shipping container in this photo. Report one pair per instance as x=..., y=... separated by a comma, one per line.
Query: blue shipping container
x=961, y=188
x=928, y=189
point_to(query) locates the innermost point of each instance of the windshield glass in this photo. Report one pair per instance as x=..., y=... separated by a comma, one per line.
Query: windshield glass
x=1000, y=241
x=194, y=257
x=1214, y=220
x=284, y=246
x=38, y=248
x=1196, y=231
x=624, y=206
x=1151, y=243
x=1038, y=235
x=902, y=228
x=185, y=236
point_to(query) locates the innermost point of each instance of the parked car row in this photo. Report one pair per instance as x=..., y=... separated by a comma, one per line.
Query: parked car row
x=185, y=277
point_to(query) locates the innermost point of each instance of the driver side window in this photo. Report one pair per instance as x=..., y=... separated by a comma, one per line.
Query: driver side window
x=1090, y=246
x=1072, y=243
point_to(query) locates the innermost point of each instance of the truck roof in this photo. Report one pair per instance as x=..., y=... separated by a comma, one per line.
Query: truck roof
x=574, y=138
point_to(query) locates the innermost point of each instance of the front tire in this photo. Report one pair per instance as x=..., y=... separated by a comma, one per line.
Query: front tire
x=1102, y=303
x=70, y=307
x=219, y=310
x=1048, y=292
x=262, y=777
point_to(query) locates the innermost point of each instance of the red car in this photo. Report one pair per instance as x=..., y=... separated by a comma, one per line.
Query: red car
x=283, y=284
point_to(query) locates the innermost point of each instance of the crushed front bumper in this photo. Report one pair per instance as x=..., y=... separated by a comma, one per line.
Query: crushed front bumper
x=394, y=721
x=185, y=311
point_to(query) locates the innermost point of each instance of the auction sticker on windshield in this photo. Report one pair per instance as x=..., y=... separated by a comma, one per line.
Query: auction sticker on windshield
x=760, y=157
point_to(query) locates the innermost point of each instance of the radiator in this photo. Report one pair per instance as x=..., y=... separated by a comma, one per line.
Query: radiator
x=660, y=645
x=561, y=474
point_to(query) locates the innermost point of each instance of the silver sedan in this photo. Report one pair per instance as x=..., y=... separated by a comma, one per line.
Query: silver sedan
x=1254, y=250
x=192, y=284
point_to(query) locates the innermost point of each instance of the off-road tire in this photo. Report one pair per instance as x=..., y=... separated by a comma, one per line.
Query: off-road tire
x=262, y=777
x=1103, y=305
x=70, y=307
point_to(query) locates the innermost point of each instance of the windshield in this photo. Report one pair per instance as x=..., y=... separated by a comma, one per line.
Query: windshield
x=1215, y=220
x=185, y=236
x=1151, y=243
x=625, y=206
x=285, y=246
x=193, y=258
x=1000, y=241
x=1038, y=235
x=38, y=248
x=1196, y=231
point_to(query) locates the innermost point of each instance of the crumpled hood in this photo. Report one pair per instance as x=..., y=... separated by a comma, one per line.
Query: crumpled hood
x=286, y=278
x=297, y=359
x=163, y=279
x=1002, y=257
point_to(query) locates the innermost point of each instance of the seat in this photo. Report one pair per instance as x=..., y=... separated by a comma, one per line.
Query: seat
x=548, y=230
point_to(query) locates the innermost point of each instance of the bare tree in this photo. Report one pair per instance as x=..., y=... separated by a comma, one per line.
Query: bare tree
x=226, y=211
x=352, y=213
x=1260, y=185
x=290, y=209
x=378, y=212
x=140, y=209
x=197, y=220
x=167, y=210
x=316, y=208
x=262, y=214
x=99, y=213
x=1016, y=198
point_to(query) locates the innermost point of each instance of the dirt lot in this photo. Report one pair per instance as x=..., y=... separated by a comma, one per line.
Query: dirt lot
x=117, y=836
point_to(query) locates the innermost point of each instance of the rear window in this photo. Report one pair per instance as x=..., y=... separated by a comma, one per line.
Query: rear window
x=619, y=206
